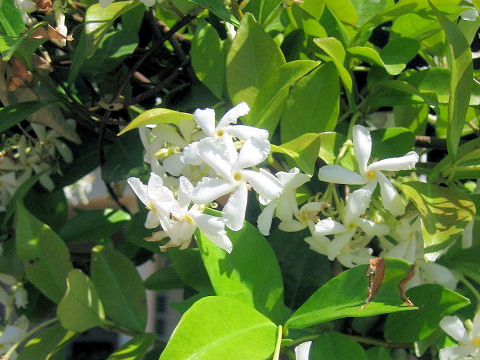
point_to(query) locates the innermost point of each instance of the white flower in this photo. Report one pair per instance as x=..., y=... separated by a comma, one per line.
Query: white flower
x=286, y=205
x=181, y=223
x=302, y=351
x=305, y=217
x=8, y=186
x=77, y=193
x=469, y=343
x=236, y=179
x=371, y=174
x=156, y=197
x=13, y=334
x=356, y=204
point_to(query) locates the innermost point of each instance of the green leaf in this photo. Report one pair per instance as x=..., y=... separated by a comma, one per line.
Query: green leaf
x=461, y=65
x=313, y=104
x=366, y=9
x=50, y=208
x=125, y=158
x=314, y=7
x=434, y=302
x=247, y=67
x=218, y=8
x=444, y=211
x=378, y=353
x=218, y=328
x=78, y=58
x=120, y=288
x=93, y=225
x=164, y=279
x=134, y=349
x=250, y=273
x=343, y=10
x=333, y=345
x=208, y=58
x=262, y=9
x=303, y=150
x=391, y=142
x=11, y=19
x=344, y=295
x=80, y=309
x=45, y=344
x=330, y=143
x=45, y=257
x=308, y=24
x=335, y=50
x=99, y=20
x=189, y=266
x=270, y=101
x=157, y=116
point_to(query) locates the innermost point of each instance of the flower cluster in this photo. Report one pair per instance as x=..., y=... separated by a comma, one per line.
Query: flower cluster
x=201, y=163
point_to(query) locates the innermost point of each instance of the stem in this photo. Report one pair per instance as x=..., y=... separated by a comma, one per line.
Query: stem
x=276, y=354
x=27, y=335
x=236, y=9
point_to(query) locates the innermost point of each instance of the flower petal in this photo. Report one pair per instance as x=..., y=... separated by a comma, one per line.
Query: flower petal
x=234, y=210
x=405, y=250
x=456, y=352
x=302, y=351
x=206, y=120
x=291, y=226
x=244, y=132
x=356, y=204
x=328, y=227
x=209, y=189
x=287, y=206
x=338, y=243
x=252, y=153
x=453, y=326
x=222, y=241
x=190, y=154
x=265, y=218
x=152, y=220
x=233, y=114
x=168, y=134
x=362, y=145
x=173, y=164
x=264, y=183
x=292, y=179
x=391, y=200
x=371, y=228
x=439, y=274
x=139, y=189
x=215, y=154
x=339, y=175
x=406, y=162
x=185, y=191
x=318, y=243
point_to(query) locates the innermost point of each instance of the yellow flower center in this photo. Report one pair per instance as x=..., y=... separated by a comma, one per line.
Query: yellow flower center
x=189, y=219
x=476, y=341
x=237, y=176
x=219, y=133
x=351, y=227
x=152, y=207
x=370, y=175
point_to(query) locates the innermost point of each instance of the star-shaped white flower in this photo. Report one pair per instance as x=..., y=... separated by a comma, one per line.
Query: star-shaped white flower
x=233, y=166
x=182, y=221
x=371, y=174
x=468, y=347
x=286, y=205
x=155, y=196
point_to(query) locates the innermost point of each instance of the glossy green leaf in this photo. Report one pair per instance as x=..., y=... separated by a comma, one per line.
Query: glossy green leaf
x=218, y=8
x=250, y=273
x=307, y=23
x=434, y=302
x=344, y=295
x=50, y=208
x=344, y=10
x=391, y=142
x=99, y=20
x=313, y=104
x=330, y=144
x=80, y=309
x=335, y=50
x=247, y=67
x=189, y=267
x=314, y=7
x=157, y=116
x=120, y=288
x=45, y=344
x=13, y=114
x=413, y=117
x=270, y=101
x=366, y=9
x=164, y=279
x=303, y=150
x=11, y=19
x=218, y=328
x=263, y=9
x=208, y=58
x=461, y=65
x=444, y=211
x=45, y=257
x=94, y=225
x=333, y=345
x=134, y=349
x=378, y=353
